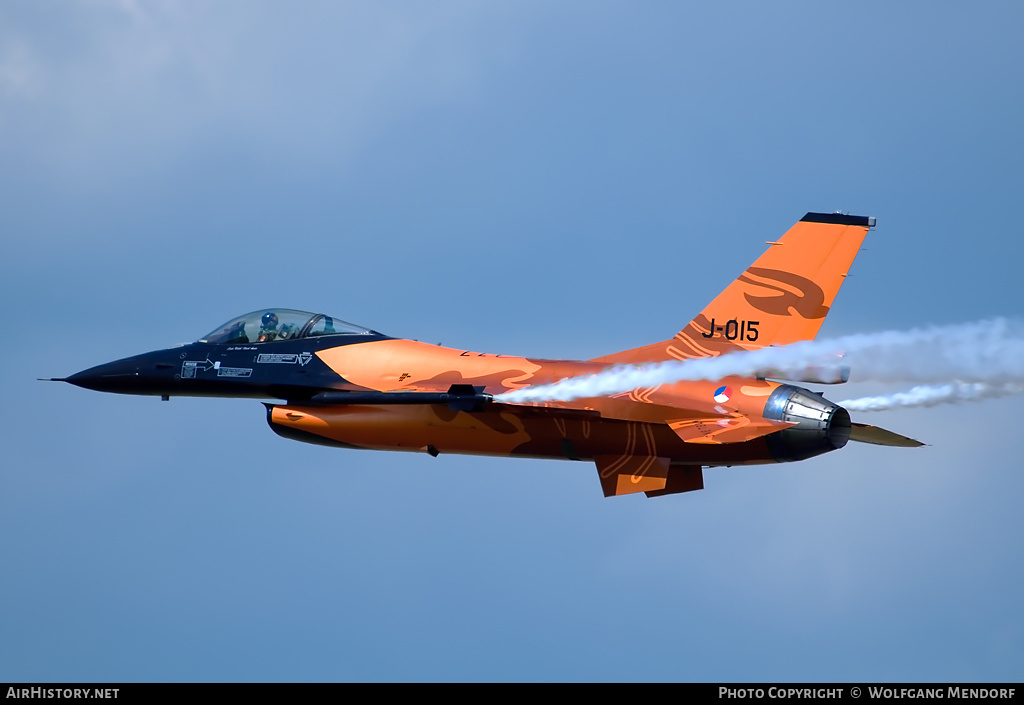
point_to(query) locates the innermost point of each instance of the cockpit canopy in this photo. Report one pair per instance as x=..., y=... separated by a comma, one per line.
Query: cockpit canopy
x=270, y=324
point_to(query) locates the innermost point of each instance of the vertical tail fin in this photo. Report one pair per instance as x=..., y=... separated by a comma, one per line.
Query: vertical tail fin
x=782, y=298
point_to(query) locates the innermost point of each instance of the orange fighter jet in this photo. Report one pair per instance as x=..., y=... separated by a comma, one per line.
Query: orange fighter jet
x=351, y=387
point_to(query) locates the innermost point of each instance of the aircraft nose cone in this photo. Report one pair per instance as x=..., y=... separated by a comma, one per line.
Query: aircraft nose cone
x=110, y=377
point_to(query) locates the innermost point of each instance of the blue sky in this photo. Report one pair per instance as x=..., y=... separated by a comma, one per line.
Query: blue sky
x=552, y=180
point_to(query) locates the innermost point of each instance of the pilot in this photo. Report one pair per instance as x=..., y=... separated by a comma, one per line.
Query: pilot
x=268, y=328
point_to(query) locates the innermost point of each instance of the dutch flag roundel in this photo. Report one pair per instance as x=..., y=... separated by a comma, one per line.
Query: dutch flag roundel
x=722, y=394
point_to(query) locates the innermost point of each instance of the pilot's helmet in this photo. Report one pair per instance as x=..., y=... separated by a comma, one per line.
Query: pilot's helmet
x=269, y=320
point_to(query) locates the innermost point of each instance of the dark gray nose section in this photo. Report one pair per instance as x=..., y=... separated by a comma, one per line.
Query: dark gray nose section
x=150, y=373
x=118, y=376
x=821, y=426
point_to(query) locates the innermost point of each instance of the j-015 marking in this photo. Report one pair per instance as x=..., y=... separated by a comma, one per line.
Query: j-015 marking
x=735, y=330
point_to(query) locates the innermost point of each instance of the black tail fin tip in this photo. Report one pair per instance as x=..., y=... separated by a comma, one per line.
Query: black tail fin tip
x=864, y=221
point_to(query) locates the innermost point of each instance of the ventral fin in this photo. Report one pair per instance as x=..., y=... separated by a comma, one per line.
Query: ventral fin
x=626, y=474
x=681, y=478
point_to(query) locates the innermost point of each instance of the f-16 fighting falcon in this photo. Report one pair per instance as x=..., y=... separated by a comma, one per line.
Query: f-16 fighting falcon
x=334, y=383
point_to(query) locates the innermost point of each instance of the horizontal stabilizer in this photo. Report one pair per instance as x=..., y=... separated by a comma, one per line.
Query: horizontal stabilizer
x=736, y=429
x=865, y=433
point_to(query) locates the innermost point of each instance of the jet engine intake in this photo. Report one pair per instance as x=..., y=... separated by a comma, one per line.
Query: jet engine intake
x=821, y=426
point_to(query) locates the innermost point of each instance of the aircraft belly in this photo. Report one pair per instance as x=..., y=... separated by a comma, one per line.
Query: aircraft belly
x=438, y=428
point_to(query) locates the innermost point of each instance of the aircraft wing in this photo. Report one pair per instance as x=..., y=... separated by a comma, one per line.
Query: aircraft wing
x=690, y=426
x=731, y=429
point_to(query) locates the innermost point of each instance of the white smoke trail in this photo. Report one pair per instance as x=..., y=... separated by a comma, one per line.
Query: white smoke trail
x=933, y=395
x=990, y=352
